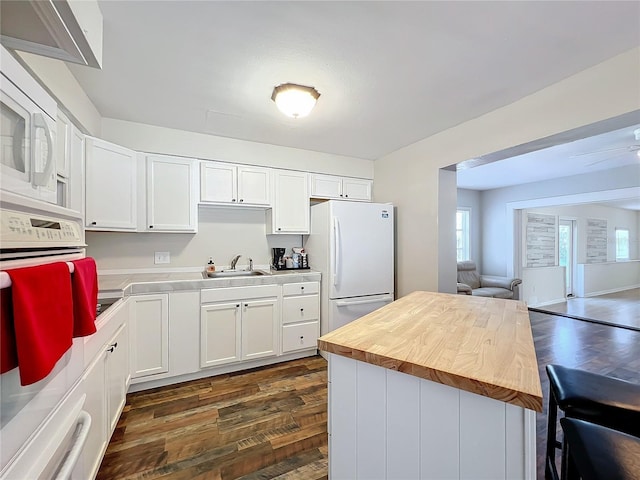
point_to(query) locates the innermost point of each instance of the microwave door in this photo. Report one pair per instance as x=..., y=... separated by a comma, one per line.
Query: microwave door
x=15, y=131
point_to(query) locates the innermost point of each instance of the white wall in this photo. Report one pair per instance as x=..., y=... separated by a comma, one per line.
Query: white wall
x=543, y=286
x=472, y=200
x=497, y=239
x=615, y=217
x=56, y=77
x=148, y=138
x=409, y=176
x=223, y=233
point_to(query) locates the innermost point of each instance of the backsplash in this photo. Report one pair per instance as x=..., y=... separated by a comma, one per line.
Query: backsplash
x=222, y=233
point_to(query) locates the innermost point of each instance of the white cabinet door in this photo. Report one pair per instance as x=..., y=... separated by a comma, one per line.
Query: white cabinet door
x=96, y=405
x=111, y=177
x=326, y=186
x=218, y=182
x=340, y=188
x=171, y=194
x=254, y=185
x=117, y=375
x=290, y=211
x=356, y=189
x=220, y=333
x=259, y=323
x=149, y=339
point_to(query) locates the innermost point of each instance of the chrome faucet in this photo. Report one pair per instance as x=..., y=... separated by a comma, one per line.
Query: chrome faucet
x=251, y=264
x=234, y=261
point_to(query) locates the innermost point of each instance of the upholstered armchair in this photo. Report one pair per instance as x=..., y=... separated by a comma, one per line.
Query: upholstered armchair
x=472, y=283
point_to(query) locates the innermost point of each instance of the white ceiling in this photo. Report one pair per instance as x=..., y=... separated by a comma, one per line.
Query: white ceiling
x=614, y=149
x=389, y=73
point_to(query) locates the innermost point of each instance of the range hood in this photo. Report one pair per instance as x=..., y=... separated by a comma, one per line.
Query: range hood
x=69, y=30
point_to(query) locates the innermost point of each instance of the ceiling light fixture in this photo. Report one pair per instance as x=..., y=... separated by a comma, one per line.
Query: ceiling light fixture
x=293, y=100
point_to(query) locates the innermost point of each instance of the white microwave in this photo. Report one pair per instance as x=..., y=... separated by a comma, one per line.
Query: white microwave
x=27, y=133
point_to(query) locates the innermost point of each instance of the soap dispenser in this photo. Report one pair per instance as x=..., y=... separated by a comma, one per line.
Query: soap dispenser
x=211, y=266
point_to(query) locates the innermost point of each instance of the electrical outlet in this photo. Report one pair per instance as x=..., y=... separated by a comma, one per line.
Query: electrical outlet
x=162, y=257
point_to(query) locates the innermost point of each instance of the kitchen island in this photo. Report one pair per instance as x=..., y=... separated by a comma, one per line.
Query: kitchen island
x=434, y=386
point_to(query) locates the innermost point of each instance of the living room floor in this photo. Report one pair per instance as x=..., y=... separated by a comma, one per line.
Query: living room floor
x=620, y=308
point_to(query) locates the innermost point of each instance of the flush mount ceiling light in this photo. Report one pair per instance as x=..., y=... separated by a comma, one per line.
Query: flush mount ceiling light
x=293, y=100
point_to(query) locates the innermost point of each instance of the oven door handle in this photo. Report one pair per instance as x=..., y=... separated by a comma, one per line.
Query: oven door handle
x=83, y=424
x=42, y=178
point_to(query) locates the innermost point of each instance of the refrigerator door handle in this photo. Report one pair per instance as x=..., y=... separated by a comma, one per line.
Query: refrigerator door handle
x=347, y=303
x=336, y=248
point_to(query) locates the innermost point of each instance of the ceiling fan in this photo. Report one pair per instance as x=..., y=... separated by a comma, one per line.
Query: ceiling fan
x=616, y=151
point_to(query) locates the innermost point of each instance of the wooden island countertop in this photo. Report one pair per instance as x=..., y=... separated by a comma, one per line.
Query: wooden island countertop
x=481, y=345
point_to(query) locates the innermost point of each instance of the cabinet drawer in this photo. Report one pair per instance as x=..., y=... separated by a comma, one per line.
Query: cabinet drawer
x=106, y=326
x=300, y=288
x=300, y=309
x=300, y=336
x=225, y=294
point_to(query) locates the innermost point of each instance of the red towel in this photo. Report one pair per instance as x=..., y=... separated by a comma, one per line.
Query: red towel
x=42, y=317
x=8, y=354
x=85, y=297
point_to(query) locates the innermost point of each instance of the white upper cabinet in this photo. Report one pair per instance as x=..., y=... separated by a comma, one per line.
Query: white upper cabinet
x=110, y=179
x=341, y=188
x=290, y=211
x=224, y=183
x=63, y=145
x=171, y=186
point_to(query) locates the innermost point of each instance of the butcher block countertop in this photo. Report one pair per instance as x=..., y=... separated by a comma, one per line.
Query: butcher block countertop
x=481, y=345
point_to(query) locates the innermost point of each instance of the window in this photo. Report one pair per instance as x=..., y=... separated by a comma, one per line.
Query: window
x=622, y=244
x=463, y=235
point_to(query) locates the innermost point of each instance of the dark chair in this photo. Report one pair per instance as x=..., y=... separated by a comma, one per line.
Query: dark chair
x=598, y=399
x=595, y=452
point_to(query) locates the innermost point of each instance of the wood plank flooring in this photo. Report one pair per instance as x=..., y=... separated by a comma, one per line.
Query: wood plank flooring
x=272, y=422
x=261, y=423
x=619, y=308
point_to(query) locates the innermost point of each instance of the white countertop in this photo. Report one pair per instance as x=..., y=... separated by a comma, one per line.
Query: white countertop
x=117, y=285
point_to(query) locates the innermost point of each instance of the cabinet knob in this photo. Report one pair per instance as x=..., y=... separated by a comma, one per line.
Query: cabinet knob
x=150, y=226
x=301, y=288
x=302, y=309
x=346, y=196
x=241, y=200
x=237, y=305
x=279, y=229
x=246, y=304
x=301, y=337
x=233, y=199
x=341, y=195
x=93, y=223
x=115, y=345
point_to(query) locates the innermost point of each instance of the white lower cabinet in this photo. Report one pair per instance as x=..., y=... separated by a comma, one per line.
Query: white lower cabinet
x=238, y=324
x=149, y=324
x=105, y=383
x=300, y=316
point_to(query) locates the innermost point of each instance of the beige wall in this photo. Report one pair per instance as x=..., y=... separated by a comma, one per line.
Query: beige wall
x=409, y=176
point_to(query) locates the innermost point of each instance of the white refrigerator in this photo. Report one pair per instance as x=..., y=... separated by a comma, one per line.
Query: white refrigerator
x=352, y=245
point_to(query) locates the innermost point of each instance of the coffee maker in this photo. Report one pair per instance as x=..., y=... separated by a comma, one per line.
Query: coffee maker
x=278, y=258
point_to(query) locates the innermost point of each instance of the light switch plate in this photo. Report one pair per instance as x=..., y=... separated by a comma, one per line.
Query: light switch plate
x=162, y=257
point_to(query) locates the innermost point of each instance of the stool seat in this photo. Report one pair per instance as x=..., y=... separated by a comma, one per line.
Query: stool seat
x=595, y=398
x=600, y=453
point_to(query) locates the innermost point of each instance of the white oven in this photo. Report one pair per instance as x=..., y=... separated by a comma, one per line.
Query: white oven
x=42, y=425
x=27, y=133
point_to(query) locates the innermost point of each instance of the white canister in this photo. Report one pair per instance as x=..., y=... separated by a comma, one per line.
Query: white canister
x=288, y=262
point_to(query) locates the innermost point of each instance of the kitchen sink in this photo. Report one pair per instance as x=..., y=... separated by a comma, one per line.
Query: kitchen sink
x=234, y=273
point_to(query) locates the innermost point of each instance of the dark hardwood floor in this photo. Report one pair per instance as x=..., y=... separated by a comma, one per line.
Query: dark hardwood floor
x=257, y=424
x=272, y=422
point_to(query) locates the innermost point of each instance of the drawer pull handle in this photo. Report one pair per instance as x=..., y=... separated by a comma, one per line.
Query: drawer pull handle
x=246, y=304
x=302, y=309
x=301, y=288
x=301, y=337
x=237, y=305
